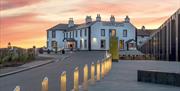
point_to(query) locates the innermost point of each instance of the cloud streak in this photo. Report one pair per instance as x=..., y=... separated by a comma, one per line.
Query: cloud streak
x=24, y=21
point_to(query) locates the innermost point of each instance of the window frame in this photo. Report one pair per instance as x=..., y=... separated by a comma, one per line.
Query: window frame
x=81, y=44
x=76, y=33
x=53, y=34
x=85, y=32
x=81, y=33
x=125, y=33
x=103, y=41
x=85, y=43
x=103, y=32
x=121, y=41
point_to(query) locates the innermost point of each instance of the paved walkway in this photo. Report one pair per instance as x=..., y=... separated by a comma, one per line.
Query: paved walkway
x=123, y=76
x=131, y=52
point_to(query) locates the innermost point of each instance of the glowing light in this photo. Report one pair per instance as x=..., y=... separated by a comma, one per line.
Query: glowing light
x=85, y=83
x=63, y=81
x=17, y=88
x=76, y=79
x=92, y=73
x=98, y=71
x=45, y=84
x=94, y=40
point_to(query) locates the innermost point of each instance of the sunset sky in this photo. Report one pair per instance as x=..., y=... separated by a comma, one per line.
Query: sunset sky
x=24, y=22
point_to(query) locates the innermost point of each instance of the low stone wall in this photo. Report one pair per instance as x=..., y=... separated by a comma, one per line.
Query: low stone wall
x=158, y=77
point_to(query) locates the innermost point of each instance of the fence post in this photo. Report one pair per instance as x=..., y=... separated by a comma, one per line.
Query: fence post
x=85, y=83
x=92, y=73
x=17, y=88
x=45, y=84
x=63, y=81
x=98, y=71
x=76, y=79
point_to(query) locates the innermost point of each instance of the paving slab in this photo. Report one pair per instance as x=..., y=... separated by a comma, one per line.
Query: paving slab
x=123, y=76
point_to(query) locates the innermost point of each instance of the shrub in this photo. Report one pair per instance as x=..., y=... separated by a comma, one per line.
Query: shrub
x=6, y=58
x=23, y=57
x=14, y=57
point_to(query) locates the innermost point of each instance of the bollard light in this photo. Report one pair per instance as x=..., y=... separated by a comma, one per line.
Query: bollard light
x=76, y=79
x=98, y=70
x=92, y=73
x=110, y=63
x=85, y=79
x=17, y=88
x=102, y=69
x=105, y=66
x=63, y=81
x=45, y=84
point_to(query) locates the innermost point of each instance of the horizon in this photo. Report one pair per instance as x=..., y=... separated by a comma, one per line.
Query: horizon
x=24, y=22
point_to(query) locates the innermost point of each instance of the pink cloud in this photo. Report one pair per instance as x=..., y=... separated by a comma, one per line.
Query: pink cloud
x=8, y=4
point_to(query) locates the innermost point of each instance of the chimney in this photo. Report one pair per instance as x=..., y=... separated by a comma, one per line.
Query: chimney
x=112, y=18
x=88, y=19
x=143, y=28
x=71, y=22
x=127, y=20
x=98, y=18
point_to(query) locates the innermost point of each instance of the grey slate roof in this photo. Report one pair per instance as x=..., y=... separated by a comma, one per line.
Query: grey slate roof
x=130, y=40
x=59, y=27
x=69, y=39
x=146, y=32
x=64, y=27
x=83, y=25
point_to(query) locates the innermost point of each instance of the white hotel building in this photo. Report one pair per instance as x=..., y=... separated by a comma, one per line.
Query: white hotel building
x=92, y=35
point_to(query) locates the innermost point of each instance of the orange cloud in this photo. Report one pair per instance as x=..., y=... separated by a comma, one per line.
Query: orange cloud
x=21, y=28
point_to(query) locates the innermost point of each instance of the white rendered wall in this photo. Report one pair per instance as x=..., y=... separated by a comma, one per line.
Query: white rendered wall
x=142, y=39
x=96, y=34
x=83, y=37
x=59, y=39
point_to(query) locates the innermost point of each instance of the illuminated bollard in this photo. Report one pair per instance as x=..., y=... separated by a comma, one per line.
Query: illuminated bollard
x=85, y=79
x=102, y=69
x=63, y=81
x=108, y=62
x=92, y=73
x=17, y=88
x=110, y=59
x=76, y=79
x=98, y=71
x=45, y=84
x=105, y=67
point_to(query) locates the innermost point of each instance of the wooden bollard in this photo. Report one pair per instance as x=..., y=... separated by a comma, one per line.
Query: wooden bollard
x=92, y=73
x=98, y=71
x=63, y=81
x=85, y=79
x=102, y=69
x=17, y=88
x=45, y=84
x=76, y=79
